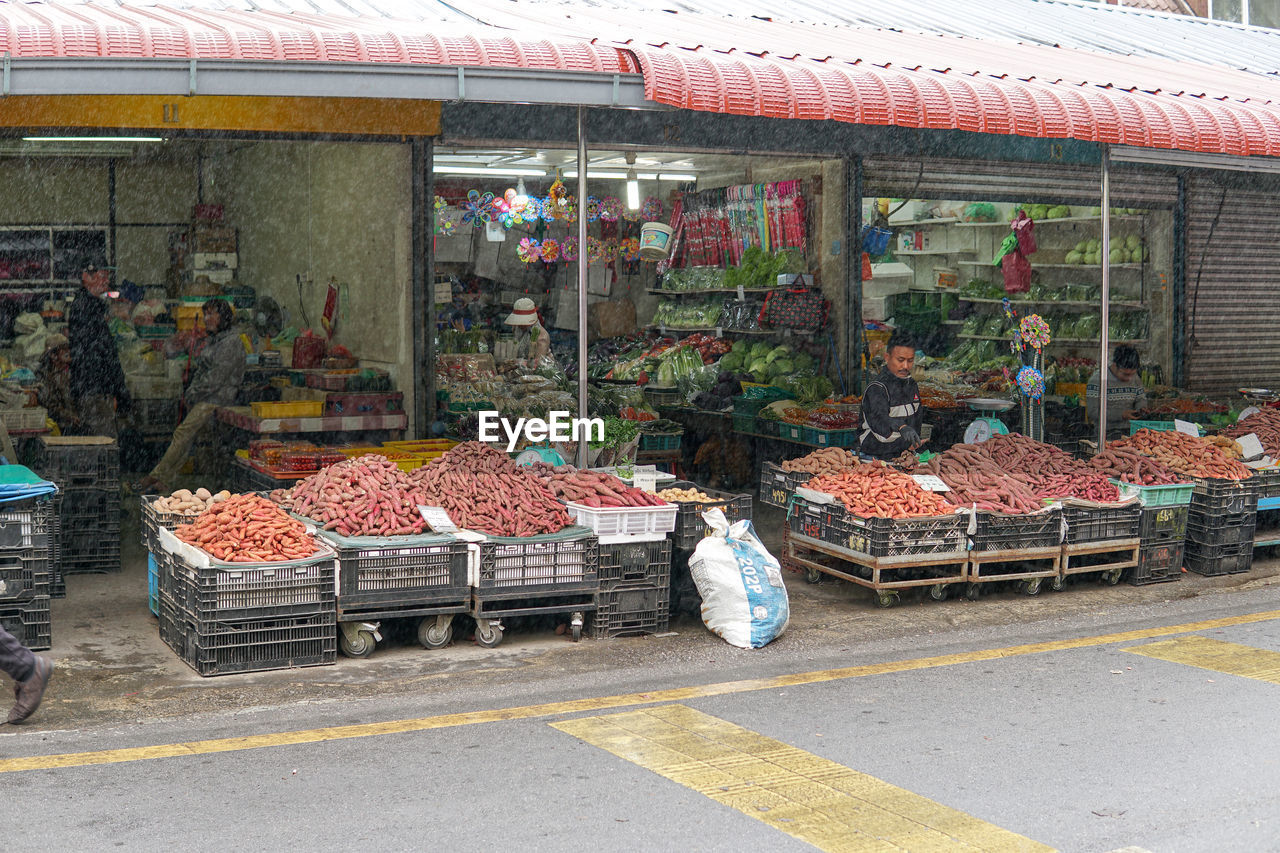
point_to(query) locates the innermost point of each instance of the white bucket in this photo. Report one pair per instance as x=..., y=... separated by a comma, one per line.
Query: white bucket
x=655, y=241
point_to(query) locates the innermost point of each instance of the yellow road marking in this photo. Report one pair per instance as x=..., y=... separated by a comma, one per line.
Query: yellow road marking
x=1218, y=656
x=804, y=795
x=602, y=703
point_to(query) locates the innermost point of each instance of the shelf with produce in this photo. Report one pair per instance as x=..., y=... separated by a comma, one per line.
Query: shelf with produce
x=934, y=251
x=763, y=333
x=1053, y=341
x=924, y=223
x=661, y=292
x=1063, y=302
x=1060, y=219
x=1036, y=266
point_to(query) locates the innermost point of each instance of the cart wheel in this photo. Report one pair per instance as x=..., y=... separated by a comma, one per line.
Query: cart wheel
x=939, y=592
x=972, y=591
x=1057, y=584
x=886, y=598
x=1031, y=587
x=435, y=632
x=488, y=635
x=812, y=575
x=577, y=633
x=1112, y=577
x=361, y=647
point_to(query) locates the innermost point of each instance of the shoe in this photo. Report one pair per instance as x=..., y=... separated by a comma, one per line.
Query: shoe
x=30, y=692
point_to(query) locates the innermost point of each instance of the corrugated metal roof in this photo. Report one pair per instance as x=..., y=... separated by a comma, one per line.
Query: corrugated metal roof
x=730, y=63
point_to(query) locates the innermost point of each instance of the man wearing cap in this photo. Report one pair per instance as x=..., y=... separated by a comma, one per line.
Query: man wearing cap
x=97, y=380
x=533, y=344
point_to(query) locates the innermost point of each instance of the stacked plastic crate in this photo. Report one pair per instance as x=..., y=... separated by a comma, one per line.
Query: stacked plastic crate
x=25, y=570
x=1220, y=527
x=244, y=617
x=690, y=529
x=86, y=470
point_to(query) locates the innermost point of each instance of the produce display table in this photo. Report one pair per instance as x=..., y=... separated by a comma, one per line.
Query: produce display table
x=940, y=569
x=1109, y=558
x=241, y=417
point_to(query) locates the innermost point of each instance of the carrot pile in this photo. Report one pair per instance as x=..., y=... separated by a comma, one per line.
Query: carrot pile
x=877, y=491
x=248, y=529
x=483, y=489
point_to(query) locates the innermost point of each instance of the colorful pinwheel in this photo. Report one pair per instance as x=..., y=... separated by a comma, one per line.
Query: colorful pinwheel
x=479, y=209
x=610, y=209
x=529, y=251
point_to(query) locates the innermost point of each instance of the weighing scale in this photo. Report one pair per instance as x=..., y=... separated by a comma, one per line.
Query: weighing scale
x=539, y=453
x=1259, y=397
x=988, y=424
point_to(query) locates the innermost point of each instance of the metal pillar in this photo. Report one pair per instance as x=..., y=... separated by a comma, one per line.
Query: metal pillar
x=582, y=277
x=422, y=276
x=1104, y=364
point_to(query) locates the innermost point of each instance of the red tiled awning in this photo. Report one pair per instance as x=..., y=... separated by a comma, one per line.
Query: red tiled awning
x=732, y=66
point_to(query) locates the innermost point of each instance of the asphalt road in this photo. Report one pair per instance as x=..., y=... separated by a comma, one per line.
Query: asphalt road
x=1142, y=725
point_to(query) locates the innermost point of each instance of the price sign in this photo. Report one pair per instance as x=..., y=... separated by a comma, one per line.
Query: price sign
x=646, y=481
x=437, y=519
x=930, y=482
x=1250, y=446
x=742, y=294
x=1187, y=427
x=444, y=293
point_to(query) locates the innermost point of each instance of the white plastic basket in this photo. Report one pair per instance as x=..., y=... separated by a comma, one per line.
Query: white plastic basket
x=615, y=521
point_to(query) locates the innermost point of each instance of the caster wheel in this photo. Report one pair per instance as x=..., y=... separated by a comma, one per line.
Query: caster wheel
x=812, y=575
x=488, y=636
x=1057, y=584
x=973, y=591
x=361, y=647
x=577, y=633
x=1031, y=587
x=435, y=632
x=939, y=592
x=886, y=598
x=1112, y=577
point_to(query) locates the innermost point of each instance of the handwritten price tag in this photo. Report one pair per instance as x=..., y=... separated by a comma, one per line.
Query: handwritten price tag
x=931, y=483
x=1186, y=427
x=437, y=519
x=646, y=481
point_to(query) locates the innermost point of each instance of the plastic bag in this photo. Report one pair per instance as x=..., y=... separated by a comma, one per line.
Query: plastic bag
x=744, y=601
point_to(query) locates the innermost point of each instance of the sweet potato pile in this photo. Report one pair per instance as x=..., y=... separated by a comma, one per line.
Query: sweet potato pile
x=877, y=491
x=483, y=489
x=248, y=529
x=594, y=488
x=828, y=460
x=1184, y=454
x=1265, y=425
x=365, y=496
x=977, y=481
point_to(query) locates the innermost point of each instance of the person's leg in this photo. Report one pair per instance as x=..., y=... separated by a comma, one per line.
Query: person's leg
x=16, y=660
x=166, y=470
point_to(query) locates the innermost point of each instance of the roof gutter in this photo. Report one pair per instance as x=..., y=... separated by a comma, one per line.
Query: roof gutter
x=1194, y=159
x=181, y=77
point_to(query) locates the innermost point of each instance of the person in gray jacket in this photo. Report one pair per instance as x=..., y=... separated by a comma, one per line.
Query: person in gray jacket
x=217, y=370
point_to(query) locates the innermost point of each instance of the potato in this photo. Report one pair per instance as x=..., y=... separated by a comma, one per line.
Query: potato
x=182, y=494
x=203, y=494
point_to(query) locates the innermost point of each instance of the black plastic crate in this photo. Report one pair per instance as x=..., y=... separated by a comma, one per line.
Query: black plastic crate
x=29, y=622
x=807, y=519
x=26, y=524
x=777, y=486
x=152, y=520
x=91, y=506
x=68, y=465
x=219, y=593
x=997, y=532
x=90, y=551
x=57, y=583
x=894, y=537
x=625, y=564
x=1219, y=559
x=172, y=623
x=402, y=576
x=1086, y=524
x=690, y=528
x=1222, y=529
x=1158, y=564
x=1164, y=524
x=221, y=648
x=633, y=610
x=1266, y=483
x=530, y=567
x=24, y=575
x=1216, y=496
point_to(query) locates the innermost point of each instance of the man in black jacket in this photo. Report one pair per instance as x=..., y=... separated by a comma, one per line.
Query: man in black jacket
x=97, y=381
x=891, y=411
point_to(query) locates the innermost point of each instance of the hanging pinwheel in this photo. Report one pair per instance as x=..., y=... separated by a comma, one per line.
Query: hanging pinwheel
x=529, y=251
x=629, y=249
x=569, y=248
x=651, y=211
x=550, y=251
x=593, y=209
x=610, y=209
x=479, y=209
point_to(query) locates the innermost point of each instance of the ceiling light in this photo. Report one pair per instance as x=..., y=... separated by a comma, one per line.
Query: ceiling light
x=633, y=184
x=670, y=176
x=521, y=201
x=93, y=139
x=507, y=172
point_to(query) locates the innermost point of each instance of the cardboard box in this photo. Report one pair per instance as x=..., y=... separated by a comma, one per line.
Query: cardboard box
x=214, y=240
x=611, y=319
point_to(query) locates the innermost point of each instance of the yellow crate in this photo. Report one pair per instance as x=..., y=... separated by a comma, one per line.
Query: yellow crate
x=404, y=461
x=351, y=452
x=438, y=446
x=290, y=409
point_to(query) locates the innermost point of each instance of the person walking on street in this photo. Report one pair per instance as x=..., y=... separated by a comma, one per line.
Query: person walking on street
x=215, y=378
x=97, y=380
x=30, y=673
